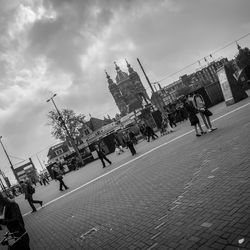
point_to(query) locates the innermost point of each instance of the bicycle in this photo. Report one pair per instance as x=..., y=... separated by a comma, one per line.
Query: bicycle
x=11, y=241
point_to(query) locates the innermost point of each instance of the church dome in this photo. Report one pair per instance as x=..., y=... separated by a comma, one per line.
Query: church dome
x=121, y=76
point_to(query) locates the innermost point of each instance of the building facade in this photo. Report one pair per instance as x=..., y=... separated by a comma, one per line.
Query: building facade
x=201, y=77
x=26, y=171
x=128, y=90
x=58, y=152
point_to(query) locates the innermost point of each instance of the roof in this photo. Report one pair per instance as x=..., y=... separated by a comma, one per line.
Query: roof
x=96, y=123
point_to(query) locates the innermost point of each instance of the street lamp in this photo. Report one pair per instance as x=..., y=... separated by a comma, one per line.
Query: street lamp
x=66, y=129
x=11, y=165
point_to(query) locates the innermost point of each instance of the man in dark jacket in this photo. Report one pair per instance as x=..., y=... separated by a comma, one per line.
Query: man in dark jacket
x=11, y=217
x=28, y=195
x=102, y=156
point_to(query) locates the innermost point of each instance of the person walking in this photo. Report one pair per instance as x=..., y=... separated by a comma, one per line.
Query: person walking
x=11, y=217
x=150, y=133
x=129, y=143
x=204, y=112
x=102, y=156
x=44, y=180
x=40, y=179
x=118, y=146
x=142, y=128
x=28, y=195
x=58, y=175
x=171, y=117
x=132, y=137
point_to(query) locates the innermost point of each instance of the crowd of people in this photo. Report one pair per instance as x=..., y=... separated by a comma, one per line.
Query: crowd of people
x=188, y=107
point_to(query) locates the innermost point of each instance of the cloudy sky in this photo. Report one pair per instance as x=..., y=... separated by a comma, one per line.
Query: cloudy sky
x=63, y=47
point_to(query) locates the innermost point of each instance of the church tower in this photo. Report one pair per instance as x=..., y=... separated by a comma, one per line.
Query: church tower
x=119, y=99
x=128, y=90
x=135, y=79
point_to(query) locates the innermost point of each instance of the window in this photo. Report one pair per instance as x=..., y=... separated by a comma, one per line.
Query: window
x=59, y=151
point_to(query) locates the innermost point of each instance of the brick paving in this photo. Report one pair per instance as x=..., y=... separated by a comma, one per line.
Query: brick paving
x=193, y=193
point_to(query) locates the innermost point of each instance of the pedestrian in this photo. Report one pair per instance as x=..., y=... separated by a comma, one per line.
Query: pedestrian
x=28, y=195
x=194, y=120
x=33, y=181
x=13, y=189
x=102, y=155
x=46, y=175
x=204, y=112
x=44, y=180
x=58, y=175
x=142, y=128
x=118, y=146
x=40, y=179
x=171, y=116
x=65, y=167
x=150, y=133
x=132, y=137
x=11, y=217
x=119, y=150
x=78, y=163
x=129, y=143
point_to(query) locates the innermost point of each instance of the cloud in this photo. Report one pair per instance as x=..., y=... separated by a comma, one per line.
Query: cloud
x=63, y=47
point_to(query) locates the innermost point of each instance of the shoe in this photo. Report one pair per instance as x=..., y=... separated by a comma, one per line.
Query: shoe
x=60, y=190
x=33, y=211
x=210, y=130
x=203, y=132
x=66, y=188
x=41, y=203
x=213, y=129
x=198, y=135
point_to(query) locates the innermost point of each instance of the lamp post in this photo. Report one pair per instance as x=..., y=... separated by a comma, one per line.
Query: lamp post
x=66, y=129
x=158, y=102
x=11, y=165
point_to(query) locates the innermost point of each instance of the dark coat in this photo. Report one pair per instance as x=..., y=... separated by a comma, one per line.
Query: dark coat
x=100, y=153
x=27, y=194
x=192, y=114
x=57, y=174
x=13, y=219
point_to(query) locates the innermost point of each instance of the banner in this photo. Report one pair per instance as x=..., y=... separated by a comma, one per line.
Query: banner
x=225, y=86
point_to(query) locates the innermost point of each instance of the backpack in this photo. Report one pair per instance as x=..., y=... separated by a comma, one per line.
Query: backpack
x=30, y=189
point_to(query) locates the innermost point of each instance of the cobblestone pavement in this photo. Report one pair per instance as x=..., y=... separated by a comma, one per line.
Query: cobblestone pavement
x=191, y=193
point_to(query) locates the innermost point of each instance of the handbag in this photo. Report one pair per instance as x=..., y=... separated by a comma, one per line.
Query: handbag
x=207, y=112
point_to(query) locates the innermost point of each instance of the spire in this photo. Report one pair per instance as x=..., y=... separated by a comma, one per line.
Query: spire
x=116, y=67
x=110, y=81
x=130, y=69
x=238, y=46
